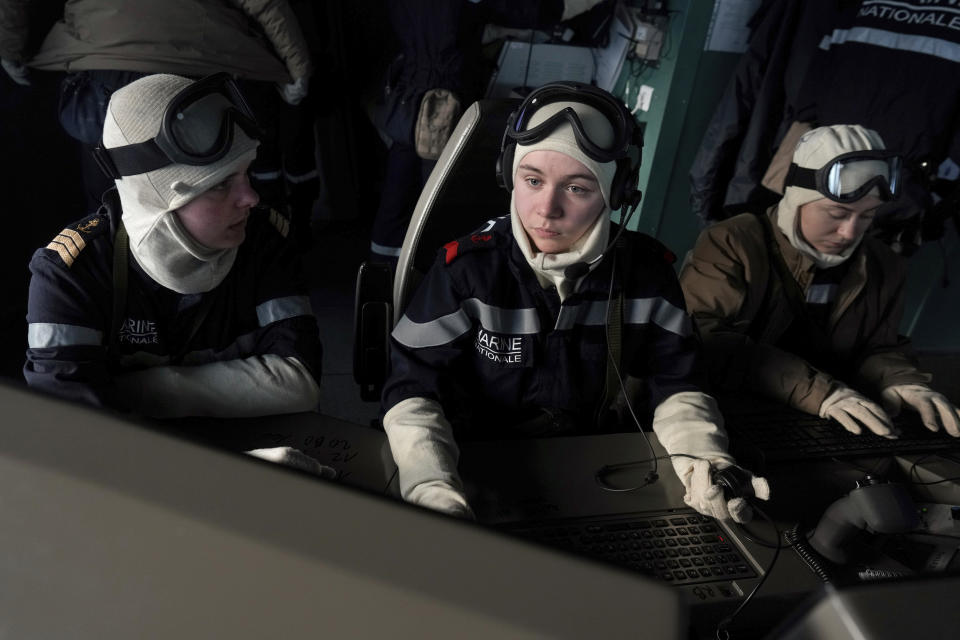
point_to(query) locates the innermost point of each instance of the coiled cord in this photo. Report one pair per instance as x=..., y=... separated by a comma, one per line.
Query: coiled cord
x=799, y=542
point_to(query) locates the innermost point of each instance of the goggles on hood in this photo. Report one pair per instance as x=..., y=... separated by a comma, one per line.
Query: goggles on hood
x=625, y=130
x=197, y=129
x=850, y=176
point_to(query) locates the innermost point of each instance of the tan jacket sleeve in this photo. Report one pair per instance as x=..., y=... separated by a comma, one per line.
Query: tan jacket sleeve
x=888, y=359
x=282, y=28
x=723, y=282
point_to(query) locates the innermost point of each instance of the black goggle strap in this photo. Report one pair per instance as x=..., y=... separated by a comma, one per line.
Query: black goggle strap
x=802, y=177
x=220, y=83
x=131, y=159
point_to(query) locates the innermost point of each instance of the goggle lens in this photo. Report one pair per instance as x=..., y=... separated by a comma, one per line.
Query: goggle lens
x=198, y=127
x=852, y=176
x=848, y=178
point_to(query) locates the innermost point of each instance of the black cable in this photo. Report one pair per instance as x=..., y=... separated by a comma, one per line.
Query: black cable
x=752, y=537
x=725, y=622
x=927, y=533
x=913, y=473
x=913, y=467
x=806, y=553
x=600, y=474
x=652, y=476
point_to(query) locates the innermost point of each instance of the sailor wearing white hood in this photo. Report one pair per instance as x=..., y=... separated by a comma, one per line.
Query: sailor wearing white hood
x=178, y=297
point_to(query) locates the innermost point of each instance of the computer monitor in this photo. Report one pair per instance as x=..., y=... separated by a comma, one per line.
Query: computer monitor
x=110, y=529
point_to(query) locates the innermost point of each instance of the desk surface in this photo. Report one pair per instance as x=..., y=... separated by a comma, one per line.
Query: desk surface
x=554, y=478
x=360, y=454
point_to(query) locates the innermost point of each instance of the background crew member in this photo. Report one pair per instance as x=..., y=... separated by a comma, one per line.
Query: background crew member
x=207, y=315
x=506, y=335
x=798, y=303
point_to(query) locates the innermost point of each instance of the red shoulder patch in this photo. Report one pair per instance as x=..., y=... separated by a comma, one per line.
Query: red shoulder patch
x=451, y=248
x=477, y=238
x=669, y=256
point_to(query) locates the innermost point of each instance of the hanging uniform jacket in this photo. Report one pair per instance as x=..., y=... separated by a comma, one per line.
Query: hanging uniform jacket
x=891, y=67
x=758, y=105
x=261, y=307
x=894, y=68
x=482, y=336
x=253, y=39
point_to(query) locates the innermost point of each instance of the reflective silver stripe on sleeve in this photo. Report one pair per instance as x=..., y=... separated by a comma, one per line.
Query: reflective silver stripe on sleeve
x=891, y=40
x=297, y=178
x=448, y=328
x=821, y=293
x=42, y=335
x=443, y=330
x=659, y=312
x=393, y=252
x=636, y=311
x=283, y=308
x=500, y=320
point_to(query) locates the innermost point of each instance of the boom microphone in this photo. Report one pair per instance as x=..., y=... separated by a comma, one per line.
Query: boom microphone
x=579, y=269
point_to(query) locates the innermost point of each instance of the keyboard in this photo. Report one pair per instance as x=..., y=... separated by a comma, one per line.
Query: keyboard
x=680, y=547
x=786, y=435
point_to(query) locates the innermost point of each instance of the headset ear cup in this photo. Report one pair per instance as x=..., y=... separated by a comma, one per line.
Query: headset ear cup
x=616, y=188
x=624, y=185
x=505, y=166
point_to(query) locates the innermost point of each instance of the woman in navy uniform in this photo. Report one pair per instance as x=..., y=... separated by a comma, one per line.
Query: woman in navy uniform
x=507, y=335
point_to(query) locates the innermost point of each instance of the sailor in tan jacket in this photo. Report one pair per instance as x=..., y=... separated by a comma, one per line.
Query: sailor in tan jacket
x=800, y=303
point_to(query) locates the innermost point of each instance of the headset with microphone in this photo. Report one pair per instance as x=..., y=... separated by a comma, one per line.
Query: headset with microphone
x=626, y=134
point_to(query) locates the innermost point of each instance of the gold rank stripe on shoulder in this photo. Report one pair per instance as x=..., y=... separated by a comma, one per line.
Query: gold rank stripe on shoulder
x=68, y=244
x=280, y=222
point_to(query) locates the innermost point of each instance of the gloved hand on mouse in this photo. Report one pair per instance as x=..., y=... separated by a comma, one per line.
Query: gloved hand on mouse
x=689, y=425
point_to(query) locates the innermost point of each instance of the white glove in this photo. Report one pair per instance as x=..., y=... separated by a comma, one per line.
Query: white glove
x=294, y=458
x=854, y=411
x=934, y=408
x=293, y=92
x=689, y=425
x=442, y=497
x=17, y=72
x=426, y=454
x=708, y=498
